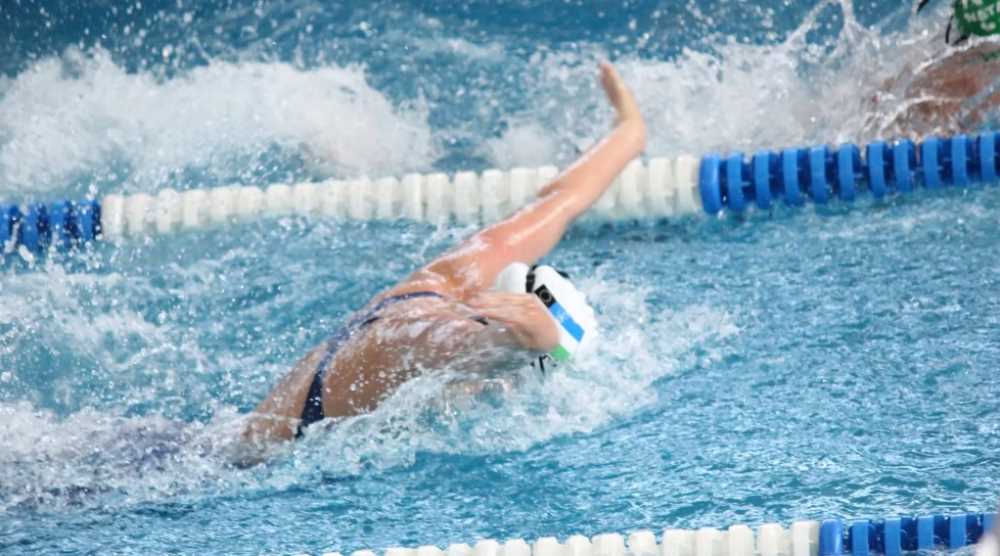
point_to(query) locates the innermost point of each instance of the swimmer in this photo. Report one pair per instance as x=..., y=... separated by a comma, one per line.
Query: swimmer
x=958, y=89
x=447, y=314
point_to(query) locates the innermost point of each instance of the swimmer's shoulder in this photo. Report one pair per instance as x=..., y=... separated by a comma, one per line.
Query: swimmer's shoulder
x=425, y=318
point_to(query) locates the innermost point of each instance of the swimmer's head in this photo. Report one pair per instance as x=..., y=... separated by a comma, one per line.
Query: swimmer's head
x=566, y=304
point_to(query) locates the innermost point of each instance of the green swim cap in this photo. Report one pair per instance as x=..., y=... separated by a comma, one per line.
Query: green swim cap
x=978, y=17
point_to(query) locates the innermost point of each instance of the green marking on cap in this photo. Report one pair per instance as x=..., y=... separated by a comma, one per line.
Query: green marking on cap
x=978, y=17
x=560, y=354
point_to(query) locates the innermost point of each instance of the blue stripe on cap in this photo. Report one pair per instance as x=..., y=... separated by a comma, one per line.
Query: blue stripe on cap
x=566, y=321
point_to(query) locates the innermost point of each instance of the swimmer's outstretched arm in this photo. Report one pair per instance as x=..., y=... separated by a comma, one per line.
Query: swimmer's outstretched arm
x=530, y=233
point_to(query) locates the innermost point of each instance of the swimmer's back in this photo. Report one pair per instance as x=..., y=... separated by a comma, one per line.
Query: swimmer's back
x=381, y=346
x=407, y=338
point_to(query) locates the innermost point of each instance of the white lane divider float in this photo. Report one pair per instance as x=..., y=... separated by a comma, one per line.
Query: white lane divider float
x=662, y=187
x=771, y=539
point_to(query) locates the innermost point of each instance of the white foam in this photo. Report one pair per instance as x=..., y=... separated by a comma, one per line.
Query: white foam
x=737, y=96
x=118, y=358
x=82, y=114
x=524, y=143
x=72, y=329
x=54, y=463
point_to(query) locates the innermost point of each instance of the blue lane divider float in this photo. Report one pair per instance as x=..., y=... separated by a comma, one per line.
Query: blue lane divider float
x=37, y=226
x=820, y=174
x=893, y=537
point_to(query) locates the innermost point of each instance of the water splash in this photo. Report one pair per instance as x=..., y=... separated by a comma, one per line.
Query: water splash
x=84, y=117
x=101, y=456
x=855, y=85
x=96, y=458
x=639, y=346
x=82, y=120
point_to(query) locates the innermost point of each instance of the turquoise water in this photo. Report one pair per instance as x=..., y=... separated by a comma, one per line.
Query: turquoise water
x=801, y=364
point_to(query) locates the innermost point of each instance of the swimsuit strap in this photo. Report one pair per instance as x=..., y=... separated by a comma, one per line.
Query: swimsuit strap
x=312, y=411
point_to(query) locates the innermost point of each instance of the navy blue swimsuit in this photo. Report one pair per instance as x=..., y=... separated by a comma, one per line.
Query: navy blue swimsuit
x=312, y=411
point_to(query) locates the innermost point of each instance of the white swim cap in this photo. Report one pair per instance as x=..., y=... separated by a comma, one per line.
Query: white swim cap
x=566, y=303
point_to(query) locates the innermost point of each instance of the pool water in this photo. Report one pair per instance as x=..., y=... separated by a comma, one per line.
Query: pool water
x=802, y=364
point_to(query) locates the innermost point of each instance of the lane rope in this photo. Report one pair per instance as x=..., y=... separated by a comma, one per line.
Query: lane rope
x=891, y=537
x=736, y=182
x=660, y=188
x=657, y=188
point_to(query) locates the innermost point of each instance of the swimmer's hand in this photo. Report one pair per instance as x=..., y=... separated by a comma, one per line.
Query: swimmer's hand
x=522, y=316
x=622, y=100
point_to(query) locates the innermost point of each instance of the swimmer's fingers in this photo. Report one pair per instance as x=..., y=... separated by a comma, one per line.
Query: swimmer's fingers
x=619, y=95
